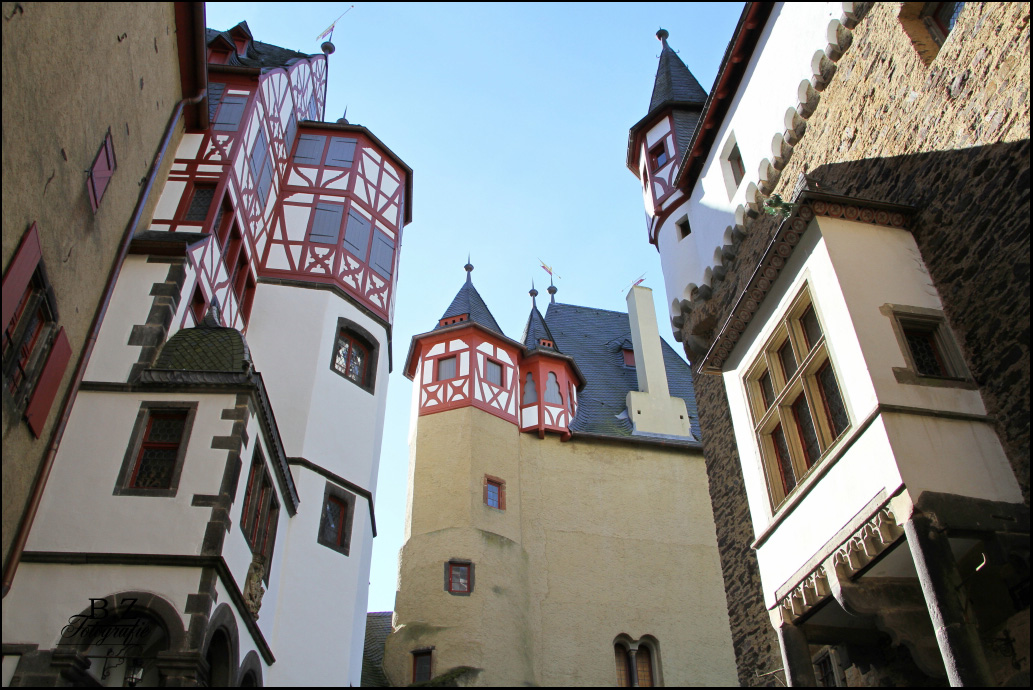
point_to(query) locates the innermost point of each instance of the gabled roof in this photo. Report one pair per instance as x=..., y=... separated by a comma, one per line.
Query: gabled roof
x=469, y=301
x=595, y=339
x=536, y=329
x=674, y=82
x=258, y=54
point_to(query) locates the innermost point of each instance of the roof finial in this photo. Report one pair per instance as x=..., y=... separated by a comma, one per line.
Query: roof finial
x=343, y=120
x=552, y=291
x=468, y=267
x=533, y=293
x=662, y=35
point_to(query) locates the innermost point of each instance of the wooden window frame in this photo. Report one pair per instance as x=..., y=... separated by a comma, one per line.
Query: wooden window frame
x=417, y=655
x=628, y=658
x=736, y=165
x=189, y=208
x=658, y=156
x=124, y=484
x=342, y=541
x=36, y=350
x=779, y=413
x=260, y=517
x=488, y=361
x=437, y=368
x=500, y=486
x=459, y=563
x=932, y=323
x=356, y=334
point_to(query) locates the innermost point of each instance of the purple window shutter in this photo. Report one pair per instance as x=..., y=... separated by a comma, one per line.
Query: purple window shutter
x=326, y=223
x=356, y=235
x=341, y=153
x=381, y=259
x=49, y=381
x=230, y=113
x=101, y=171
x=310, y=149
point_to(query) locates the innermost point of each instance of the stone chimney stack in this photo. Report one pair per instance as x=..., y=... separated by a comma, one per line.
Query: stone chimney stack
x=652, y=409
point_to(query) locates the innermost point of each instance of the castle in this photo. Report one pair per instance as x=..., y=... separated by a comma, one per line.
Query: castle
x=194, y=520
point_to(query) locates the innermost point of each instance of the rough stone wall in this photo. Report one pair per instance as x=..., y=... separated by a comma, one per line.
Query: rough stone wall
x=950, y=138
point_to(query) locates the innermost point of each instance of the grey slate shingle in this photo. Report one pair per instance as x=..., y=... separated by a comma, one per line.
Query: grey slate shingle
x=535, y=330
x=258, y=54
x=378, y=627
x=469, y=301
x=205, y=348
x=595, y=339
x=674, y=82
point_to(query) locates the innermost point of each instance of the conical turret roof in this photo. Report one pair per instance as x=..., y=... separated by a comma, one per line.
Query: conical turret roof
x=469, y=301
x=674, y=82
x=537, y=330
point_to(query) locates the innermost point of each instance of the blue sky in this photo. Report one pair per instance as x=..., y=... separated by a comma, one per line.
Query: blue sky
x=514, y=119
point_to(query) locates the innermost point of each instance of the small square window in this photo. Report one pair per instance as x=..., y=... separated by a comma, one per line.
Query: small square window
x=493, y=372
x=629, y=357
x=355, y=355
x=736, y=165
x=658, y=156
x=154, y=460
x=446, y=369
x=494, y=492
x=459, y=577
x=683, y=227
x=930, y=353
x=200, y=202
x=335, y=523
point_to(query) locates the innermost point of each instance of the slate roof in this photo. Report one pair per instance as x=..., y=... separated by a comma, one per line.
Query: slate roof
x=469, y=301
x=258, y=54
x=595, y=339
x=378, y=626
x=535, y=330
x=206, y=348
x=674, y=81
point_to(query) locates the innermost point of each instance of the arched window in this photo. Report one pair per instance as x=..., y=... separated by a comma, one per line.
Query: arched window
x=620, y=654
x=354, y=354
x=530, y=392
x=637, y=662
x=644, y=667
x=552, y=390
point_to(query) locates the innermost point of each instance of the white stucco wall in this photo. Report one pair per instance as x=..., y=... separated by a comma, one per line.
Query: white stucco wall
x=79, y=491
x=770, y=85
x=918, y=450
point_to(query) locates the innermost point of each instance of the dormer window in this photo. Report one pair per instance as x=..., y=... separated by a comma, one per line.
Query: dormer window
x=544, y=342
x=658, y=156
x=629, y=357
x=452, y=320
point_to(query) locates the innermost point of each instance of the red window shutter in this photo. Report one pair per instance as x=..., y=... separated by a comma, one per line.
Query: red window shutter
x=49, y=381
x=101, y=171
x=19, y=272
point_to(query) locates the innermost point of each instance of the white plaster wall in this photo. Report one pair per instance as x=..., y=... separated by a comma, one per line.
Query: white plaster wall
x=782, y=59
x=322, y=416
x=79, y=491
x=113, y=356
x=892, y=272
x=45, y=595
x=321, y=599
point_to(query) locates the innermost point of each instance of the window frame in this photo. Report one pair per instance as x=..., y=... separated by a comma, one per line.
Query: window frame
x=356, y=334
x=624, y=648
x=130, y=461
x=343, y=497
x=101, y=170
x=781, y=414
x=418, y=654
x=437, y=368
x=658, y=156
x=489, y=362
x=260, y=519
x=933, y=322
x=500, y=486
x=459, y=563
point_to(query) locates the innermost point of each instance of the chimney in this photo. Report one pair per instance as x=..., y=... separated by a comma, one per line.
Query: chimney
x=652, y=409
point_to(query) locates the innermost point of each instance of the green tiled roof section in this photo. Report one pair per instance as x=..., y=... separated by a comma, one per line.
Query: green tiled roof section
x=205, y=348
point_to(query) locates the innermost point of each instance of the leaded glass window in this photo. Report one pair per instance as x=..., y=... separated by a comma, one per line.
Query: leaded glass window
x=350, y=359
x=156, y=462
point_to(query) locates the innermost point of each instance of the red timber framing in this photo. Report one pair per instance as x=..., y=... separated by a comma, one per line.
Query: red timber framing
x=551, y=403
x=661, y=179
x=278, y=205
x=473, y=347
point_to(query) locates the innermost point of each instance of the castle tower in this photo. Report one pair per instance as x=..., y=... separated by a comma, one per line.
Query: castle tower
x=236, y=396
x=657, y=143
x=529, y=518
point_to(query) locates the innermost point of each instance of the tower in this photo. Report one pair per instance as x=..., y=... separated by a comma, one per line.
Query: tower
x=535, y=494
x=229, y=424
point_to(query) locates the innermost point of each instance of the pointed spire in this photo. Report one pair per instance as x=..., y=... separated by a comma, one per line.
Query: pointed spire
x=533, y=293
x=552, y=291
x=469, y=302
x=536, y=334
x=674, y=81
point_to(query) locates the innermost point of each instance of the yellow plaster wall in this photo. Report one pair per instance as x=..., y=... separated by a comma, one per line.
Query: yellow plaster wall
x=71, y=72
x=598, y=539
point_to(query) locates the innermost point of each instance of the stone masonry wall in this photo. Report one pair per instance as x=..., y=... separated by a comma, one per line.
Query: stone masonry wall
x=950, y=138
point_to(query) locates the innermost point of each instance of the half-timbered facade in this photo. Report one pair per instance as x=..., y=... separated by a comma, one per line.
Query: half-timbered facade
x=226, y=436
x=544, y=473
